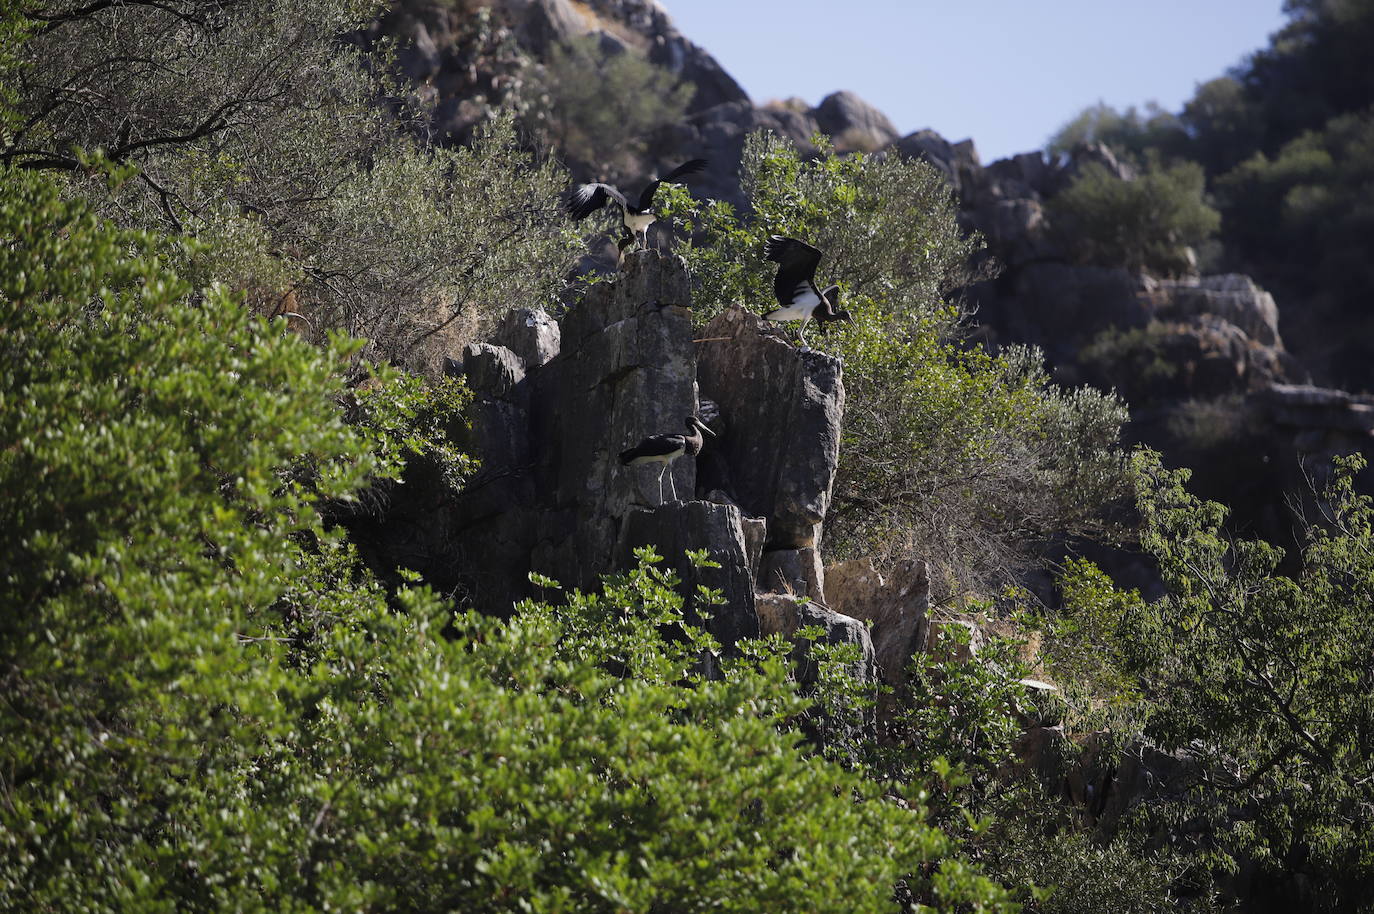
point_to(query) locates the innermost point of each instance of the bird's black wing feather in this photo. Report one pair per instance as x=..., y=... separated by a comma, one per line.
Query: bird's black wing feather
x=588, y=198
x=646, y=199
x=653, y=446
x=797, y=263
x=832, y=295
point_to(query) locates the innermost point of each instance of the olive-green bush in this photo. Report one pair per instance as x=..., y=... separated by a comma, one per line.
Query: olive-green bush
x=949, y=452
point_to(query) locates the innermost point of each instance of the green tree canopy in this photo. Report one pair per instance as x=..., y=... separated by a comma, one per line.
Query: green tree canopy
x=1147, y=223
x=1258, y=682
x=257, y=129
x=949, y=452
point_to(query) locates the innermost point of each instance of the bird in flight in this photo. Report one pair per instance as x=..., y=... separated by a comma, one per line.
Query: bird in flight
x=795, y=286
x=637, y=217
x=664, y=449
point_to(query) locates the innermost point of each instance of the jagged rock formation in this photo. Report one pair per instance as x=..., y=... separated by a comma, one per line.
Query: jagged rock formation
x=769, y=392
x=554, y=405
x=1221, y=331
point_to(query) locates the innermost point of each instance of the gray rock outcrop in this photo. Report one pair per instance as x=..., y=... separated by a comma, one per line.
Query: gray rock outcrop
x=675, y=528
x=781, y=412
x=553, y=406
x=853, y=123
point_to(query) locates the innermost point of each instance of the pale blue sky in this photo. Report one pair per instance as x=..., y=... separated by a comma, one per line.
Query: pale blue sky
x=1007, y=73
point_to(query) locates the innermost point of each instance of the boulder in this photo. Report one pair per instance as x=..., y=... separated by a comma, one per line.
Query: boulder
x=836, y=629
x=1304, y=406
x=531, y=334
x=492, y=370
x=717, y=134
x=781, y=410
x=1097, y=153
x=673, y=529
x=896, y=604
x=853, y=123
x=792, y=571
x=541, y=24
x=1233, y=297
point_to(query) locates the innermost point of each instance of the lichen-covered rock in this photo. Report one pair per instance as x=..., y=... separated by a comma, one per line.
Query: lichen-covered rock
x=781, y=410
x=531, y=334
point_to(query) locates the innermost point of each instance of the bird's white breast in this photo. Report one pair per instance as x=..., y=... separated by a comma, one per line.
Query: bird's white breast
x=638, y=222
x=804, y=302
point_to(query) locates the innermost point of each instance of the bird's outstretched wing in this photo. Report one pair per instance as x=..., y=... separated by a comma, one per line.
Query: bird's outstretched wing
x=797, y=263
x=588, y=198
x=691, y=167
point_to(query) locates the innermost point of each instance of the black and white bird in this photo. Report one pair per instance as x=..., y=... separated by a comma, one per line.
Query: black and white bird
x=795, y=286
x=664, y=449
x=588, y=198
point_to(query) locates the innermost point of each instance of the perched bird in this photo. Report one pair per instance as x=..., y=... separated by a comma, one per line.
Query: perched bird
x=588, y=198
x=795, y=286
x=664, y=449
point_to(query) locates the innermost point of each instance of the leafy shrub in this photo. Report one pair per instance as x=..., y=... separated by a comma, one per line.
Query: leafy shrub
x=598, y=107
x=948, y=451
x=1143, y=224
x=1259, y=681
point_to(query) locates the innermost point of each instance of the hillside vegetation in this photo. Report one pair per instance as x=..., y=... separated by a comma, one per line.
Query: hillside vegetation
x=1286, y=142
x=231, y=263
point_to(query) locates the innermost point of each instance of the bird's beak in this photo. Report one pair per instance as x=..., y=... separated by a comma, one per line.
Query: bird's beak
x=702, y=425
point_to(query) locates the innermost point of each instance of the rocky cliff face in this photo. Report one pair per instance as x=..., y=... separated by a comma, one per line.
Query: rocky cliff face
x=555, y=404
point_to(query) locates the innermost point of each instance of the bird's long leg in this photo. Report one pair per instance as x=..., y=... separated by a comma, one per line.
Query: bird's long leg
x=660, y=482
x=672, y=487
x=801, y=333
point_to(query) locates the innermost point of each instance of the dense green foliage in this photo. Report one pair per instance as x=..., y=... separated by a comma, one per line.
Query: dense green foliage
x=597, y=107
x=209, y=705
x=255, y=129
x=1260, y=684
x=1131, y=131
x=1284, y=141
x=1149, y=223
x=948, y=451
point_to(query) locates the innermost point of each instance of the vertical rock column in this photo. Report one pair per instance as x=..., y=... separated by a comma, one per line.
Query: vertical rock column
x=627, y=370
x=780, y=444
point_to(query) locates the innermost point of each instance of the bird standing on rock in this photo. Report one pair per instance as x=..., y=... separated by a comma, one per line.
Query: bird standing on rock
x=588, y=198
x=795, y=286
x=664, y=449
